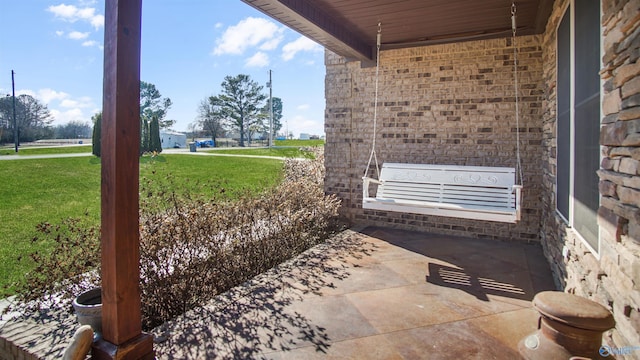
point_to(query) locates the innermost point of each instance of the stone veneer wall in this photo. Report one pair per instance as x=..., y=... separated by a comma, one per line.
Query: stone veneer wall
x=441, y=104
x=614, y=279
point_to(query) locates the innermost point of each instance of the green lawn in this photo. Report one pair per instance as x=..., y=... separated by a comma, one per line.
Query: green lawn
x=288, y=152
x=37, y=190
x=301, y=143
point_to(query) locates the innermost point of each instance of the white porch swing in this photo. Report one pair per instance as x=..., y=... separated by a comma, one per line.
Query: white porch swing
x=469, y=192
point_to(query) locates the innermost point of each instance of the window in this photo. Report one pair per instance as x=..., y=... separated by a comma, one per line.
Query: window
x=578, y=118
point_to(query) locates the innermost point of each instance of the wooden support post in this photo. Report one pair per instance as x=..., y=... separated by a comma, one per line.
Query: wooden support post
x=121, y=319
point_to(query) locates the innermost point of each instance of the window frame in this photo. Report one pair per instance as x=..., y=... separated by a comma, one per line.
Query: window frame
x=569, y=10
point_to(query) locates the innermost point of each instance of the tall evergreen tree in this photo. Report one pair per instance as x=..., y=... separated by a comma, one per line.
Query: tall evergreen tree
x=241, y=102
x=155, y=144
x=97, y=131
x=144, y=136
x=152, y=104
x=277, y=113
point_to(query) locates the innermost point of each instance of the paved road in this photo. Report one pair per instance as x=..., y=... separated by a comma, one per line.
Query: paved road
x=47, y=156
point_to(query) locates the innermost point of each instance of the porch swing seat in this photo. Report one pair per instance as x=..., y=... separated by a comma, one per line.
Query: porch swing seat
x=469, y=192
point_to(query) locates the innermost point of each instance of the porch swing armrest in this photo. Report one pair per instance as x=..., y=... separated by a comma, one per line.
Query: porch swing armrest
x=517, y=189
x=365, y=185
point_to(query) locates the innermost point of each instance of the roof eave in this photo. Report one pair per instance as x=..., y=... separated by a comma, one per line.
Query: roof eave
x=315, y=24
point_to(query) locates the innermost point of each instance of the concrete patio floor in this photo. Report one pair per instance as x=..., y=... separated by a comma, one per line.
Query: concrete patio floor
x=377, y=293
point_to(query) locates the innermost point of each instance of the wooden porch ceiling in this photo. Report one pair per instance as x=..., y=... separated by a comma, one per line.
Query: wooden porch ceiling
x=349, y=27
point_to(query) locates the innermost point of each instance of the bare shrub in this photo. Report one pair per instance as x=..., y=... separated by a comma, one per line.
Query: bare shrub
x=193, y=248
x=313, y=171
x=68, y=269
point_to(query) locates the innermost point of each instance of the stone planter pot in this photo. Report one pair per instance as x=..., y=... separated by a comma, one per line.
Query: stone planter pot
x=88, y=308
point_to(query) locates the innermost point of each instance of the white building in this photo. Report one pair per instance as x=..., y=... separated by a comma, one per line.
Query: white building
x=172, y=139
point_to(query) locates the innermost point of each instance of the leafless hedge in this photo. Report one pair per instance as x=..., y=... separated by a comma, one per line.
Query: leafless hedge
x=193, y=248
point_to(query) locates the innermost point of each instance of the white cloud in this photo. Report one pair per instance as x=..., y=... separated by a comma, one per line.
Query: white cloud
x=47, y=95
x=63, y=117
x=90, y=43
x=97, y=21
x=67, y=103
x=82, y=102
x=290, y=50
x=72, y=14
x=248, y=33
x=86, y=13
x=63, y=107
x=59, y=32
x=303, y=107
x=271, y=44
x=300, y=124
x=77, y=35
x=260, y=59
x=72, y=109
x=218, y=25
x=63, y=11
x=25, y=92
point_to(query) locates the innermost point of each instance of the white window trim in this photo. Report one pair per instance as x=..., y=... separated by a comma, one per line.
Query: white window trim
x=570, y=5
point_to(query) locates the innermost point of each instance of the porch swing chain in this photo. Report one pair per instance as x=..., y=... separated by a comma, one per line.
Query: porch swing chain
x=373, y=155
x=515, y=76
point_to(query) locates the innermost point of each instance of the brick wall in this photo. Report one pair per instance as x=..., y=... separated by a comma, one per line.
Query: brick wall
x=442, y=104
x=613, y=279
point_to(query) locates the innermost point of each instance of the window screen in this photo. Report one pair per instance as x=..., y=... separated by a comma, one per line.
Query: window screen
x=587, y=120
x=563, y=131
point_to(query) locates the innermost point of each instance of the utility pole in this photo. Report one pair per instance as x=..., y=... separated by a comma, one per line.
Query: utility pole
x=15, y=123
x=270, y=111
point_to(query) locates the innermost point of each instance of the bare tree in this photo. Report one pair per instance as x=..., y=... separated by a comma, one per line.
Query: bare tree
x=211, y=118
x=72, y=130
x=33, y=118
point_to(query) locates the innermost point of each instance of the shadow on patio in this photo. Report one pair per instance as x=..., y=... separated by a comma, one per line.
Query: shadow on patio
x=376, y=293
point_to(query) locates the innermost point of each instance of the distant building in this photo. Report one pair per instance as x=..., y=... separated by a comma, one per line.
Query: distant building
x=235, y=135
x=304, y=136
x=172, y=139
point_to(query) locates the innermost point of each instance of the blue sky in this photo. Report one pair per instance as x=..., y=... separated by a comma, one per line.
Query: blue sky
x=188, y=47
